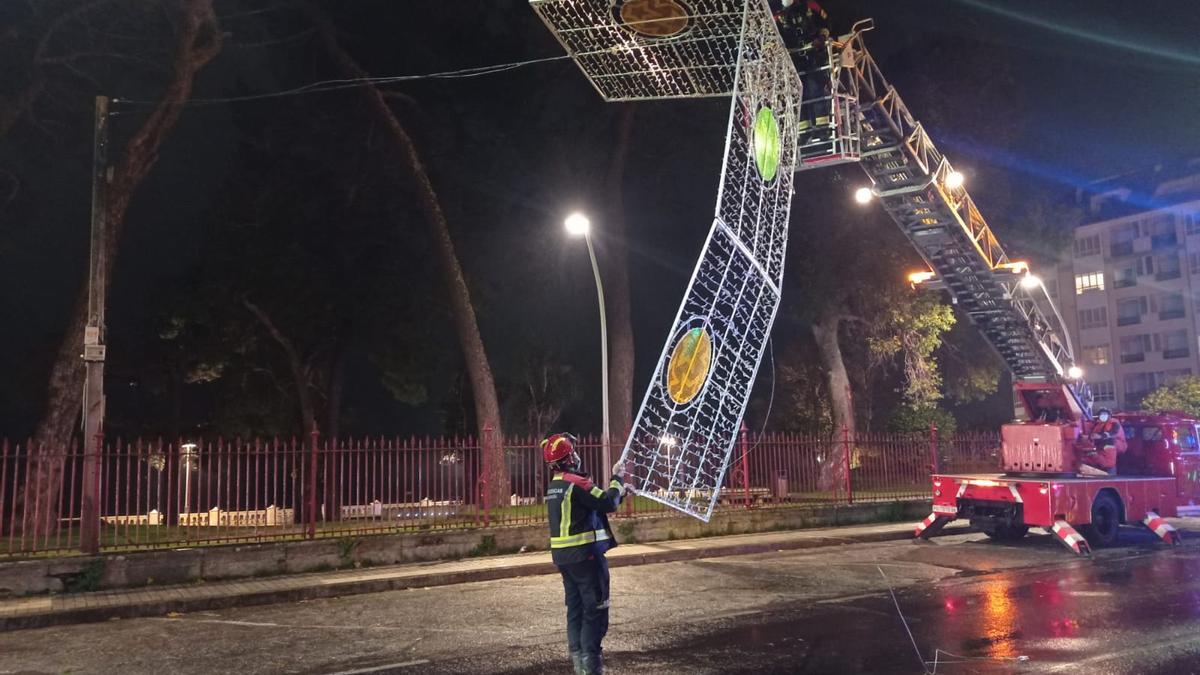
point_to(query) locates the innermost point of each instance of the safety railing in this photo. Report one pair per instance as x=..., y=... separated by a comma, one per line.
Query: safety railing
x=155, y=493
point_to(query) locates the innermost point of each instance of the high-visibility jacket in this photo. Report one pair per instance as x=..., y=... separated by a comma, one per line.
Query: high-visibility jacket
x=1104, y=450
x=577, y=511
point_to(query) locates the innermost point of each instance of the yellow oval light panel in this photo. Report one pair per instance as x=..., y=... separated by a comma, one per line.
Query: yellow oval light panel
x=654, y=18
x=688, y=368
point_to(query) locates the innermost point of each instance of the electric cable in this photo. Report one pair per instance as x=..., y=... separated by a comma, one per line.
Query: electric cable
x=347, y=83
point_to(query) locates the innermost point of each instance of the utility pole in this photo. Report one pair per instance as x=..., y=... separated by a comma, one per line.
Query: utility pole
x=93, y=339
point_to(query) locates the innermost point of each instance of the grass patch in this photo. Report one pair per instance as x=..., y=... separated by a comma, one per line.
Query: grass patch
x=346, y=548
x=87, y=579
x=486, y=546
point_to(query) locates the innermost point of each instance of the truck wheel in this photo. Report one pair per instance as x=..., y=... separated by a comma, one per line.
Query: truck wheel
x=1106, y=521
x=1006, y=532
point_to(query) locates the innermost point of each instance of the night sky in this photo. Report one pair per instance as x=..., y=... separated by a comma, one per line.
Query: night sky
x=1103, y=87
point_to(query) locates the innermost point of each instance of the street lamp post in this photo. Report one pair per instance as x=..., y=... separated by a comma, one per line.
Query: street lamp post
x=189, y=453
x=577, y=225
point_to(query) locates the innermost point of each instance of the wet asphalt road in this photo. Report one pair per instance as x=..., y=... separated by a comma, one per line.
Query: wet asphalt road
x=1021, y=608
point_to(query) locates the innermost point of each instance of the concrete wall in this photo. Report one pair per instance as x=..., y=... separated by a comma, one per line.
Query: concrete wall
x=176, y=566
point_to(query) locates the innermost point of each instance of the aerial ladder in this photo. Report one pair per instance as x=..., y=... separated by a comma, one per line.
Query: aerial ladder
x=918, y=187
x=632, y=50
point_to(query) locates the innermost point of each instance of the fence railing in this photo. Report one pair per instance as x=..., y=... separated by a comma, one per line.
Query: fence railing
x=168, y=494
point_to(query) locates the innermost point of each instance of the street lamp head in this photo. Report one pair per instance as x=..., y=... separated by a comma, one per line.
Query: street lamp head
x=577, y=225
x=863, y=195
x=954, y=180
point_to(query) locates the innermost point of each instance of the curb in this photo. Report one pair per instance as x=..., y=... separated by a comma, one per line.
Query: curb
x=330, y=589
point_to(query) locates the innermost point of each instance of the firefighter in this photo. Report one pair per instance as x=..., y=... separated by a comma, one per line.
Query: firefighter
x=579, y=536
x=791, y=19
x=1104, y=440
x=1045, y=410
x=813, y=26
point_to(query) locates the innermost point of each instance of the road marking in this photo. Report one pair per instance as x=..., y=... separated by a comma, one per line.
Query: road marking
x=379, y=669
x=261, y=624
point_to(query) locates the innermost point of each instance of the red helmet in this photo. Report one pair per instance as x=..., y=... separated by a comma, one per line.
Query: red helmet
x=558, y=446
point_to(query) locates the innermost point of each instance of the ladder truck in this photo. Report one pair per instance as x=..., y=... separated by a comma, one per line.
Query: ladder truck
x=1037, y=484
x=669, y=49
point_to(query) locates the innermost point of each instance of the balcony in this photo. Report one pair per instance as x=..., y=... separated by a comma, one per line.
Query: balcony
x=1133, y=358
x=1165, y=275
x=1119, y=249
x=1168, y=240
x=1181, y=353
x=1171, y=314
x=1125, y=282
x=1129, y=320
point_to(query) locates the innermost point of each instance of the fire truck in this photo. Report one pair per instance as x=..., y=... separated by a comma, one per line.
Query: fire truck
x=1038, y=483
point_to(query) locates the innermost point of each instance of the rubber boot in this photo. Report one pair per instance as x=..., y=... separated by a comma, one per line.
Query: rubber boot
x=593, y=664
x=577, y=663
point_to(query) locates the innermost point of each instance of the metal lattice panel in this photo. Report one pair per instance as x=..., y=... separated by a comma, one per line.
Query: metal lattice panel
x=689, y=420
x=650, y=49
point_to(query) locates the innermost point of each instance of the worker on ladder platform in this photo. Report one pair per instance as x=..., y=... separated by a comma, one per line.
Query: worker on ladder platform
x=579, y=536
x=1103, y=440
x=804, y=27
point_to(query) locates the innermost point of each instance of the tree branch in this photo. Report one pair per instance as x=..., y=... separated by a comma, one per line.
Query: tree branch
x=276, y=334
x=199, y=42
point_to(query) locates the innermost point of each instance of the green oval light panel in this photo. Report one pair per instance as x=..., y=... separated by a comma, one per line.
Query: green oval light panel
x=766, y=144
x=688, y=368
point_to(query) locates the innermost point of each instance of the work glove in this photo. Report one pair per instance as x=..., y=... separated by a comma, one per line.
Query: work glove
x=618, y=469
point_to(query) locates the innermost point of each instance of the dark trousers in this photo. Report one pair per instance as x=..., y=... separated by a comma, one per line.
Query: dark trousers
x=586, y=586
x=816, y=93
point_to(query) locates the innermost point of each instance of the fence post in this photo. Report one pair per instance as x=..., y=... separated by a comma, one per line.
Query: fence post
x=933, y=449
x=89, y=513
x=311, y=530
x=485, y=479
x=744, y=448
x=846, y=463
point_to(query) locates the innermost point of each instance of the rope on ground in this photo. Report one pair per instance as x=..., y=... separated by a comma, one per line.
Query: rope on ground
x=937, y=653
x=913, y=640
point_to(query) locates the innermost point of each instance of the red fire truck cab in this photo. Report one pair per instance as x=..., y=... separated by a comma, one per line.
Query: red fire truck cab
x=1040, y=485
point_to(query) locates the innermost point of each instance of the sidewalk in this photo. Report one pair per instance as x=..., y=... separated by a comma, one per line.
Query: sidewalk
x=49, y=610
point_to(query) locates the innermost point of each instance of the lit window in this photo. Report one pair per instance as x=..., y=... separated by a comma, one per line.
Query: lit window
x=1092, y=281
x=1096, y=356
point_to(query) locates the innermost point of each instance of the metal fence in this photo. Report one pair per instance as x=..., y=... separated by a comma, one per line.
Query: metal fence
x=169, y=494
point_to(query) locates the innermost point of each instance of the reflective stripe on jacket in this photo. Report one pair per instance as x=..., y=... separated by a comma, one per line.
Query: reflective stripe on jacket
x=577, y=513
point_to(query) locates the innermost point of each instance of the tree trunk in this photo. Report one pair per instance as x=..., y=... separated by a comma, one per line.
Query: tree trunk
x=199, y=41
x=337, y=385
x=296, y=365
x=620, y=321
x=328, y=479
x=840, y=397
x=479, y=372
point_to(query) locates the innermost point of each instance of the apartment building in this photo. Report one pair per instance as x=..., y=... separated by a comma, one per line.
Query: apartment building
x=1129, y=286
